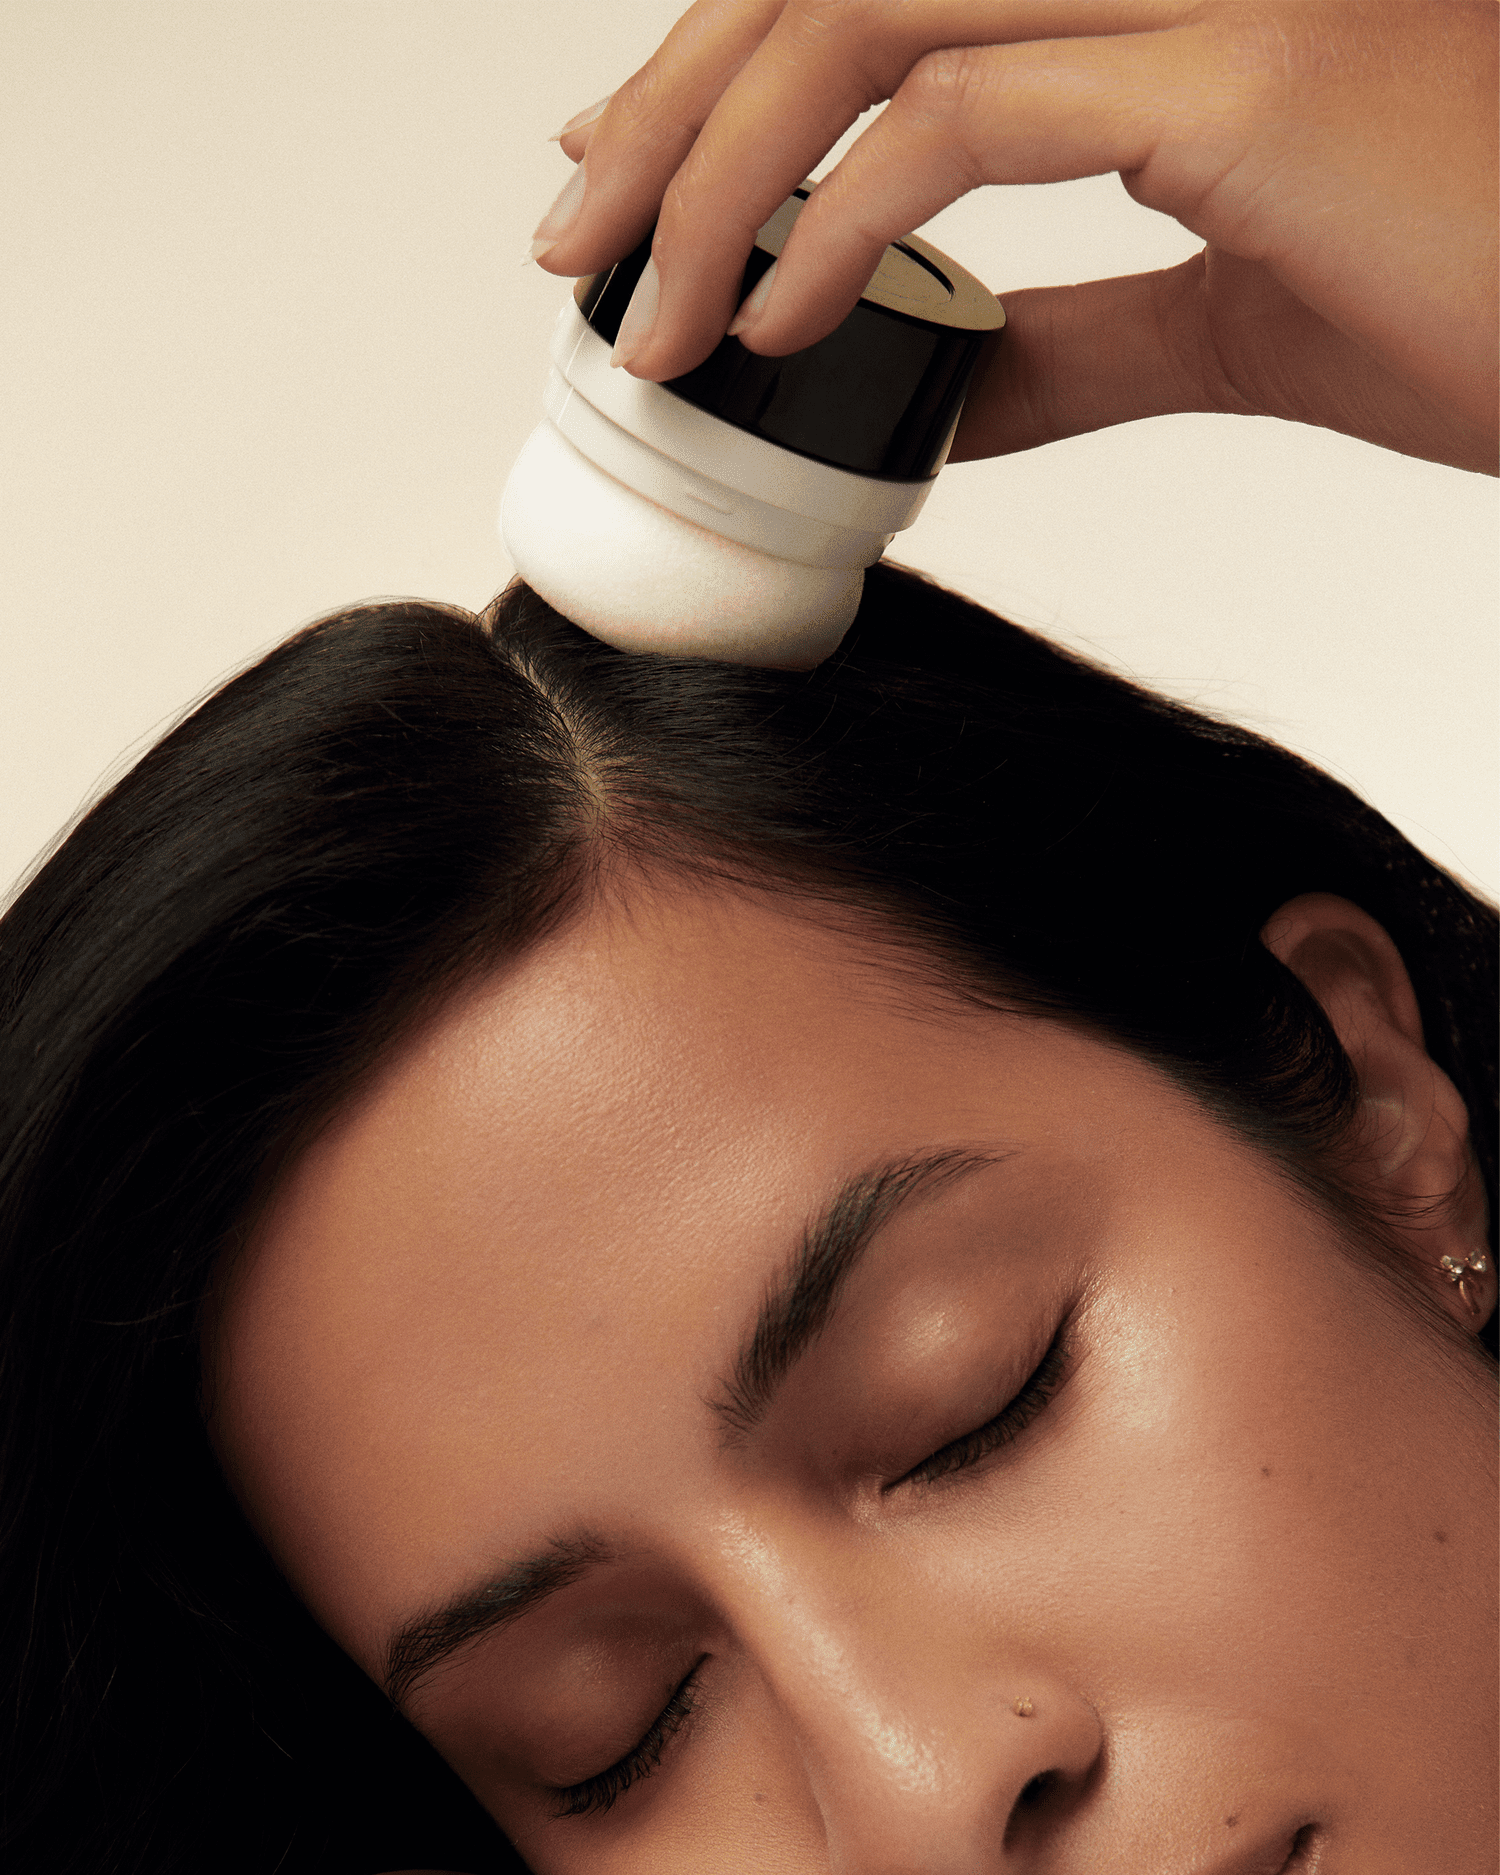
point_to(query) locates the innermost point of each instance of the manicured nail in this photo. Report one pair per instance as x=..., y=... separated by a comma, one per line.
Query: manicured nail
x=561, y=216
x=755, y=304
x=640, y=316
x=582, y=120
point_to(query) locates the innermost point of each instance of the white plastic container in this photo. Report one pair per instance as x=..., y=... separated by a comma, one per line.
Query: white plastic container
x=731, y=513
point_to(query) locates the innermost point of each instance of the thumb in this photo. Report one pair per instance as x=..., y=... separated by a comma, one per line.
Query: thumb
x=1076, y=358
x=1216, y=333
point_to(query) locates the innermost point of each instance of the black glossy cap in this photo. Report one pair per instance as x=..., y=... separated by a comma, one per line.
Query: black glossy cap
x=878, y=396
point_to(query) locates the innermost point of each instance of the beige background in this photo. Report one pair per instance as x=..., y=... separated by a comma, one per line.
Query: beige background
x=268, y=348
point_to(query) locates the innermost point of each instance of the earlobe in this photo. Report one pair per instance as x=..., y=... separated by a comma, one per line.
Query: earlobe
x=1411, y=1143
x=1470, y=1279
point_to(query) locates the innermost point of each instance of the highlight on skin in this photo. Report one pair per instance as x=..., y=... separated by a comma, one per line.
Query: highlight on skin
x=817, y=1401
x=810, y=1271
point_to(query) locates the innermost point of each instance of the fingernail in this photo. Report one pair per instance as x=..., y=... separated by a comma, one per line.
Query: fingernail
x=640, y=316
x=755, y=303
x=561, y=216
x=582, y=120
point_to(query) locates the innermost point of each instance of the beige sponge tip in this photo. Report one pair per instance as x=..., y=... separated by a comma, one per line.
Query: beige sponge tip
x=642, y=579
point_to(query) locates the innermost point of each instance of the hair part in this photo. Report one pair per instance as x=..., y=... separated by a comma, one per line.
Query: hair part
x=397, y=800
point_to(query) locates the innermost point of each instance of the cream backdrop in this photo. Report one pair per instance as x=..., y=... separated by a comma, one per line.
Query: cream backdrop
x=269, y=347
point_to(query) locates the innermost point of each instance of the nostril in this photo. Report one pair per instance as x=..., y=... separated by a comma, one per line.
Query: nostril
x=1041, y=1807
x=1044, y=1771
x=1304, y=1848
x=1036, y=1791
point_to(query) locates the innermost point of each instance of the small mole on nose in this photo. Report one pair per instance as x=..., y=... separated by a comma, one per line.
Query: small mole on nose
x=1230, y=1821
x=1265, y=1471
x=760, y=1796
x=1440, y=1536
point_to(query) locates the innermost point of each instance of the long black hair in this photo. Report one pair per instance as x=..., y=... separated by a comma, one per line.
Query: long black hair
x=401, y=795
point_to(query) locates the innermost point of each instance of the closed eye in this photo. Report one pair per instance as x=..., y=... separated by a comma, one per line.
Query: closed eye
x=1005, y=1428
x=602, y=1791
x=599, y=1793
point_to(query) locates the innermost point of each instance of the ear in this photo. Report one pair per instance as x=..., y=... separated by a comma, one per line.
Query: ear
x=1411, y=1145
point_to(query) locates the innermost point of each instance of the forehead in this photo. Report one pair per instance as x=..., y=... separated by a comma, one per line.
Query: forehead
x=539, y=1233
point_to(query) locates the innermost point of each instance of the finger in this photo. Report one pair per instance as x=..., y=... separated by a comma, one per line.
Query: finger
x=648, y=128
x=1072, y=359
x=810, y=80
x=1184, y=123
x=1214, y=334
x=964, y=118
x=815, y=65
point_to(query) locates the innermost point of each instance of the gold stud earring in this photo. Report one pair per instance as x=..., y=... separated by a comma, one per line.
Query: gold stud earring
x=1462, y=1271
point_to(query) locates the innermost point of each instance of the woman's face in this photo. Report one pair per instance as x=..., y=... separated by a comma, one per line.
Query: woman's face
x=942, y=1444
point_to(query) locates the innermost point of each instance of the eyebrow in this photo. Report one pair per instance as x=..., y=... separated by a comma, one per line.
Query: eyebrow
x=418, y=1645
x=794, y=1312
x=798, y=1305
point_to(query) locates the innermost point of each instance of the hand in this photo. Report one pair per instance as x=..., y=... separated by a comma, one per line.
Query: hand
x=1338, y=157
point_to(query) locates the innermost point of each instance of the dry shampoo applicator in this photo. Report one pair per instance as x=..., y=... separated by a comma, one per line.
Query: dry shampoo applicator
x=731, y=513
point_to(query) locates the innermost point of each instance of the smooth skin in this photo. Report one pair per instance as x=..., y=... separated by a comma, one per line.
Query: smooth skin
x=1337, y=157
x=1223, y=1606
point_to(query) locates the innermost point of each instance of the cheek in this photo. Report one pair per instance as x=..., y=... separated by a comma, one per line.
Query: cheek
x=1228, y=1485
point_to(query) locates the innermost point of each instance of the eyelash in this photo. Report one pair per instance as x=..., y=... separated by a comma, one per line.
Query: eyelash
x=1004, y=1429
x=597, y=1794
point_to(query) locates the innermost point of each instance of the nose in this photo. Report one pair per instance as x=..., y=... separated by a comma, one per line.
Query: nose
x=929, y=1750
x=968, y=1791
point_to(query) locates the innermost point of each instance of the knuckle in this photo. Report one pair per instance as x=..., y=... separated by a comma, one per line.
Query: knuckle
x=947, y=85
x=946, y=100
x=675, y=218
x=828, y=19
x=700, y=202
x=852, y=39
